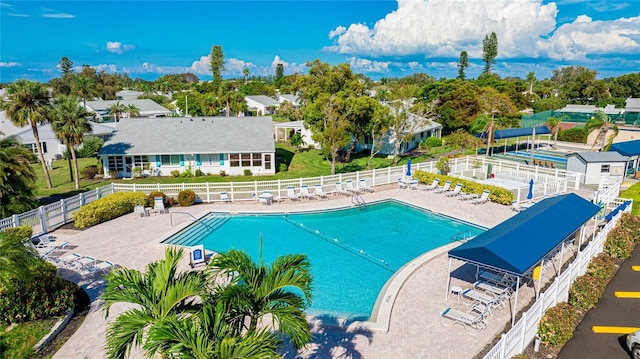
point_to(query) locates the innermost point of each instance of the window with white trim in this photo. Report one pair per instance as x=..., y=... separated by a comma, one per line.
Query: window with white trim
x=170, y=160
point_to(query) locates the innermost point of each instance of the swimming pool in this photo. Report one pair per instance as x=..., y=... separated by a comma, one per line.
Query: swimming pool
x=353, y=251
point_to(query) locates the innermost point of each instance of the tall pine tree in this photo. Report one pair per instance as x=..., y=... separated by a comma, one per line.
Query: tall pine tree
x=489, y=51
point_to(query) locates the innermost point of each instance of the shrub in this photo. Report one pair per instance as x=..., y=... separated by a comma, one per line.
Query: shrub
x=585, y=291
x=154, y=194
x=90, y=146
x=89, y=172
x=199, y=172
x=247, y=172
x=557, y=324
x=20, y=231
x=602, y=266
x=443, y=165
x=575, y=134
x=631, y=224
x=222, y=173
x=172, y=202
x=431, y=142
x=619, y=243
x=45, y=295
x=175, y=173
x=282, y=167
x=114, y=174
x=107, y=208
x=186, y=198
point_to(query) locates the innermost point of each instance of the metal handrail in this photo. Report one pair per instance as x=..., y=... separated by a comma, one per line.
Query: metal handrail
x=190, y=215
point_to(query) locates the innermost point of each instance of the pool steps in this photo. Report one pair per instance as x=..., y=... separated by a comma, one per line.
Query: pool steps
x=194, y=233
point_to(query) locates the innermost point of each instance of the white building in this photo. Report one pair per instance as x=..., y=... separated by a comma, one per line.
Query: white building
x=261, y=105
x=595, y=165
x=147, y=108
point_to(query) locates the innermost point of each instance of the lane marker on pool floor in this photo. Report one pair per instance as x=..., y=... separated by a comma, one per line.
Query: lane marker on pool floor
x=627, y=294
x=635, y=268
x=602, y=329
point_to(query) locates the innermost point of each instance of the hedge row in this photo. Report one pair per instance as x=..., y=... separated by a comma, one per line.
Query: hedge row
x=496, y=194
x=107, y=208
x=558, y=323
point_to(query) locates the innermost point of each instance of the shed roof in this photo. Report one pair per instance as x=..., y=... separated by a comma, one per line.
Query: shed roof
x=264, y=100
x=518, y=244
x=595, y=157
x=175, y=135
x=145, y=106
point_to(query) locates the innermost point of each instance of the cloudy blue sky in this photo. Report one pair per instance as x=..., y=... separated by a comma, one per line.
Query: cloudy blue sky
x=147, y=38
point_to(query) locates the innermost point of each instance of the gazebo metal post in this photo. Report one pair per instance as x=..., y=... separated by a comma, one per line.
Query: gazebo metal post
x=515, y=304
x=561, y=255
x=446, y=295
x=540, y=278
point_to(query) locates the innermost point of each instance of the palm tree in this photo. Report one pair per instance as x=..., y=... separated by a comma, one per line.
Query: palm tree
x=133, y=110
x=84, y=87
x=603, y=124
x=15, y=259
x=17, y=178
x=69, y=123
x=207, y=335
x=158, y=294
x=117, y=109
x=281, y=290
x=554, y=123
x=245, y=71
x=28, y=105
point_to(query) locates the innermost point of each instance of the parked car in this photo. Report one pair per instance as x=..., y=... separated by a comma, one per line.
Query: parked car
x=633, y=343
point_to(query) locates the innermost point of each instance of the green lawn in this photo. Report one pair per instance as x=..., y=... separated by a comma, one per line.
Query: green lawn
x=18, y=342
x=633, y=192
x=305, y=163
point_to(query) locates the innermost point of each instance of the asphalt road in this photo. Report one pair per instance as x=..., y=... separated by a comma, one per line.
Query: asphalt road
x=611, y=311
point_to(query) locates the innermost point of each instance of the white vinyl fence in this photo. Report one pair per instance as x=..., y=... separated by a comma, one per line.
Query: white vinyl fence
x=524, y=331
x=48, y=217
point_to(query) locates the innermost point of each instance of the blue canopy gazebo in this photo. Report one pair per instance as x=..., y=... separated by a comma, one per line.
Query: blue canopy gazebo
x=518, y=132
x=629, y=149
x=519, y=244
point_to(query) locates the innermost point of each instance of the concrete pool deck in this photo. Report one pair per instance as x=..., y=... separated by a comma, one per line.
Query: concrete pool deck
x=415, y=329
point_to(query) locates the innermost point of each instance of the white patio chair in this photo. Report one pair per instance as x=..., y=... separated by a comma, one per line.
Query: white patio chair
x=304, y=192
x=340, y=190
x=444, y=188
x=432, y=186
x=224, y=197
x=320, y=191
x=484, y=198
x=455, y=192
x=158, y=205
x=197, y=255
x=468, y=320
x=291, y=194
x=365, y=187
x=351, y=188
x=402, y=184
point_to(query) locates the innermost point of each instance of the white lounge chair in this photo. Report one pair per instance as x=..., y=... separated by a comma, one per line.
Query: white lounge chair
x=466, y=319
x=291, y=194
x=484, y=198
x=432, y=186
x=304, y=192
x=402, y=184
x=351, y=188
x=43, y=251
x=413, y=184
x=340, y=190
x=365, y=187
x=468, y=196
x=68, y=260
x=46, y=241
x=224, y=197
x=320, y=191
x=455, y=192
x=490, y=301
x=197, y=255
x=444, y=188
x=158, y=205
x=139, y=211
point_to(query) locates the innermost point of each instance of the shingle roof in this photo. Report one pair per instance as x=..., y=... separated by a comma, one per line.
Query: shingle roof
x=147, y=107
x=632, y=104
x=176, y=135
x=264, y=100
x=593, y=157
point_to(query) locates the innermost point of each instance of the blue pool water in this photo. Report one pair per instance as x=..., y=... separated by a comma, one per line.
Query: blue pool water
x=539, y=156
x=353, y=252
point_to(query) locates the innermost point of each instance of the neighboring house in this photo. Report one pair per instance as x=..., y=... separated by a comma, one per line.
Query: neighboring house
x=294, y=99
x=52, y=147
x=284, y=130
x=610, y=110
x=424, y=129
x=261, y=105
x=147, y=108
x=210, y=144
x=595, y=165
x=129, y=95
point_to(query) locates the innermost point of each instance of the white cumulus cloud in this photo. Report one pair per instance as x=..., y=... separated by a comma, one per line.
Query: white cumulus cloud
x=444, y=28
x=53, y=14
x=117, y=47
x=9, y=64
x=366, y=65
x=288, y=67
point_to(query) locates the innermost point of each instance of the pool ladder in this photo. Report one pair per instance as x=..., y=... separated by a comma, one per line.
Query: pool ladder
x=461, y=236
x=357, y=199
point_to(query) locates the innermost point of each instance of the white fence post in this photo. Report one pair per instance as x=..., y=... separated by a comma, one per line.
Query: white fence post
x=208, y=193
x=15, y=220
x=43, y=219
x=503, y=341
x=523, y=333
x=63, y=211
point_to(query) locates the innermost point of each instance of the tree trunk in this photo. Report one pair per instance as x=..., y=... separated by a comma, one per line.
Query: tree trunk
x=396, y=150
x=36, y=137
x=75, y=166
x=69, y=163
x=352, y=147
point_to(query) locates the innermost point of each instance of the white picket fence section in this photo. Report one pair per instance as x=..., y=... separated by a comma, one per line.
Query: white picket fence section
x=48, y=217
x=524, y=331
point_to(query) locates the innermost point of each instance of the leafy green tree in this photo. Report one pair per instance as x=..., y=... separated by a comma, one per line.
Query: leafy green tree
x=158, y=294
x=376, y=129
x=29, y=105
x=360, y=113
x=297, y=141
x=17, y=178
x=463, y=63
x=458, y=108
x=279, y=74
x=217, y=65
x=69, y=123
x=288, y=111
x=489, y=51
x=462, y=139
x=548, y=104
x=65, y=65
x=280, y=291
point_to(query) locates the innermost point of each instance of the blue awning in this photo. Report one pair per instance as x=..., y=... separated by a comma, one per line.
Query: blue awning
x=628, y=148
x=516, y=132
x=518, y=244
